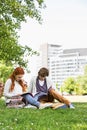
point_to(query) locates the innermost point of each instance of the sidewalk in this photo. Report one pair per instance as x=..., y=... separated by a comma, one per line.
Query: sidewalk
x=77, y=98
x=71, y=98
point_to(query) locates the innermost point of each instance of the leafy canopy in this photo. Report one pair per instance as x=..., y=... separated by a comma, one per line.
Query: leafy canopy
x=12, y=13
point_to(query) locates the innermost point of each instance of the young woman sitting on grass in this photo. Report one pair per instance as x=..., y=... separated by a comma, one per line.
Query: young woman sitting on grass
x=14, y=89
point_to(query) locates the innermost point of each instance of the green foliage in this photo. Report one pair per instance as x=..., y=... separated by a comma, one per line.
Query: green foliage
x=46, y=119
x=82, y=84
x=69, y=85
x=5, y=72
x=12, y=13
x=85, y=70
x=76, y=85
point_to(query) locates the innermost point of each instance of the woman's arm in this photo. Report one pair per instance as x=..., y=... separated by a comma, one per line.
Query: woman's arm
x=7, y=86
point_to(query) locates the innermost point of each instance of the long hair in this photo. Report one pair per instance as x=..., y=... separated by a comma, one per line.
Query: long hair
x=17, y=71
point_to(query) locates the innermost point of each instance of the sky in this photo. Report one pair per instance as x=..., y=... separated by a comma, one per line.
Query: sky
x=64, y=23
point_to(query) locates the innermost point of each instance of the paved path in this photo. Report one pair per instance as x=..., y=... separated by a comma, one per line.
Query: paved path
x=73, y=98
x=77, y=98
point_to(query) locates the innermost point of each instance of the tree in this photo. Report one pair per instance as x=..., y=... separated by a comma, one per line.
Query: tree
x=12, y=13
x=5, y=72
x=69, y=85
x=76, y=85
x=82, y=84
x=85, y=70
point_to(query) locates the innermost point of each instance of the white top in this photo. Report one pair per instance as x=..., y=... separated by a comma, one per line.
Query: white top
x=41, y=82
x=17, y=90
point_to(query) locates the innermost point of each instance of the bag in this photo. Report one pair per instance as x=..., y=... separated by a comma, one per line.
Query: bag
x=16, y=102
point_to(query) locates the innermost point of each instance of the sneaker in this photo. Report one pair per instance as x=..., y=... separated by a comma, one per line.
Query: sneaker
x=71, y=106
x=61, y=106
x=30, y=106
x=45, y=105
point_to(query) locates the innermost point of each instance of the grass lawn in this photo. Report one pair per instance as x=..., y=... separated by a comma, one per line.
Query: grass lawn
x=46, y=119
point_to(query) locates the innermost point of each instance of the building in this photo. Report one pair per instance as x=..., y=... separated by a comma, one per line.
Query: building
x=63, y=63
x=48, y=51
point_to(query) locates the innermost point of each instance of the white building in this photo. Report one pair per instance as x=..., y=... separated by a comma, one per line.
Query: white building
x=48, y=51
x=63, y=63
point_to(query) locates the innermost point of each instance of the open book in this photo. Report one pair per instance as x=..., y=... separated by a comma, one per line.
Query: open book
x=38, y=93
x=26, y=94
x=18, y=96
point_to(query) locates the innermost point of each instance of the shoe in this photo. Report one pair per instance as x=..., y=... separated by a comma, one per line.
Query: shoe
x=30, y=106
x=61, y=106
x=71, y=106
x=45, y=105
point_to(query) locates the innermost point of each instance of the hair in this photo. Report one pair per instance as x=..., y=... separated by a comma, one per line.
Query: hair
x=17, y=71
x=43, y=72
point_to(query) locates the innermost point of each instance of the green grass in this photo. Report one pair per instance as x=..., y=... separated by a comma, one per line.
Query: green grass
x=46, y=119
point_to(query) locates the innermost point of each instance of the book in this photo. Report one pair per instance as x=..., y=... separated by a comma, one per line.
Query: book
x=18, y=96
x=26, y=94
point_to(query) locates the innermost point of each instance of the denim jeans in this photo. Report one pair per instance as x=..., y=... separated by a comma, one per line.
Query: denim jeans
x=33, y=100
x=38, y=95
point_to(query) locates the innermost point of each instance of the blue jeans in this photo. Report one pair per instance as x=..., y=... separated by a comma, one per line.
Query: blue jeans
x=38, y=95
x=34, y=100
x=30, y=100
